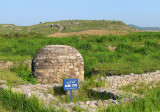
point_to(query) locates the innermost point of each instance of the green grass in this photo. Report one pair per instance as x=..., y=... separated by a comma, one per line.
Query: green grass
x=17, y=75
x=140, y=88
x=3, y=109
x=68, y=25
x=17, y=102
x=82, y=94
x=150, y=103
x=24, y=72
x=135, y=52
x=11, y=78
x=77, y=109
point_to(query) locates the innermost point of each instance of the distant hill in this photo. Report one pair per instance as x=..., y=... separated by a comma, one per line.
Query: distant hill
x=144, y=28
x=68, y=26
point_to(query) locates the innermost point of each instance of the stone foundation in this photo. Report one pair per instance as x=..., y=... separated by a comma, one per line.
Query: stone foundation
x=124, y=80
x=113, y=94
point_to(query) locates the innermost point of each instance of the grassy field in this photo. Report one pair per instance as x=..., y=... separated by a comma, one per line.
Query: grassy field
x=133, y=53
x=137, y=52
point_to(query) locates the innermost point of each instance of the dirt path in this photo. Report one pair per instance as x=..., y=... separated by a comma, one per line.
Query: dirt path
x=90, y=32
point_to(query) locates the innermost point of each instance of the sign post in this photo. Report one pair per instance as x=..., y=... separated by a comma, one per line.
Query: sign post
x=70, y=95
x=70, y=84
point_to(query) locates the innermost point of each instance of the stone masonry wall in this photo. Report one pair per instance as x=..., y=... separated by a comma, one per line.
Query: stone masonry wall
x=124, y=80
x=54, y=62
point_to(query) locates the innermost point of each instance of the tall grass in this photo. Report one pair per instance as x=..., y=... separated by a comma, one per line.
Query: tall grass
x=135, y=52
x=83, y=93
x=150, y=103
x=24, y=72
x=17, y=102
x=11, y=78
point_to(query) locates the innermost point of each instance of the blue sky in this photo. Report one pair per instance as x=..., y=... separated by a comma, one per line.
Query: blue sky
x=30, y=12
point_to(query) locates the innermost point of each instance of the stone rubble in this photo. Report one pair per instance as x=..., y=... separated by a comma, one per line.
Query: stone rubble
x=10, y=64
x=36, y=90
x=124, y=80
x=113, y=93
x=3, y=81
x=40, y=89
x=6, y=65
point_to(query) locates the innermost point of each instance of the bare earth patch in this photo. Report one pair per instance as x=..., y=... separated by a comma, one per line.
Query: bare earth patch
x=6, y=25
x=89, y=32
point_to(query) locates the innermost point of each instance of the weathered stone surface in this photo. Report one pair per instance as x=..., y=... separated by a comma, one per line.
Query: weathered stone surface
x=6, y=65
x=36, y=90
x=41, y=91
x=2, y=81
x=54, y=62
x=124, y=80
x=92, y=105
x=10, y=64
x=100, y=103
x=81, y=103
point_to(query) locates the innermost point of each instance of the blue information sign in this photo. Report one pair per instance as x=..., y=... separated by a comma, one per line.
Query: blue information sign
x=70, y=84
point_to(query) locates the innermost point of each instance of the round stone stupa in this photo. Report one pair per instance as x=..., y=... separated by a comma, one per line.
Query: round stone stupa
x=54, y=63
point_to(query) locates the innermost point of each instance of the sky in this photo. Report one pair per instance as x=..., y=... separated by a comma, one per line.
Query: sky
x=29, y=12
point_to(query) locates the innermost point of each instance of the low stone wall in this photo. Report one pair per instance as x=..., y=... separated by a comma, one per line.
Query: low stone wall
x=36, y=90
x=6, y=65
x=113, y=82
x=10, y=64
x=40, y=89
x=124, y=80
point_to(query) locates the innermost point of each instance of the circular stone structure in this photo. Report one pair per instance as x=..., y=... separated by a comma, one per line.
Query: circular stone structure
x=54, y=63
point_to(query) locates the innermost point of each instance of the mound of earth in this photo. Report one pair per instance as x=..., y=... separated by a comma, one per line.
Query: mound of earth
x=69, y=26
